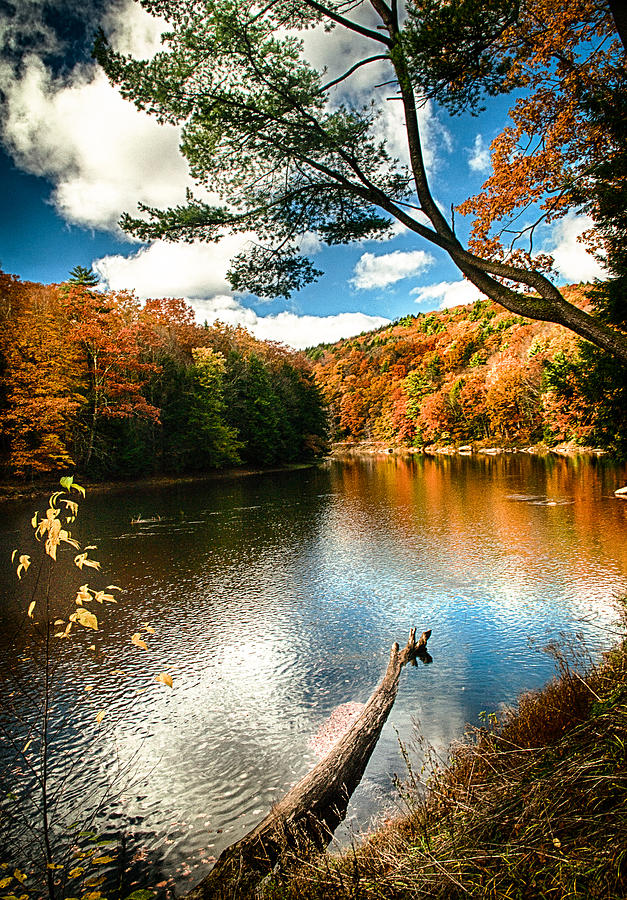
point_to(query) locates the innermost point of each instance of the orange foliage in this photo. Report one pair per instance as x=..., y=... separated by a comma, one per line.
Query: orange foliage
x=40, y=377
x=558, y=54
x=471, y=373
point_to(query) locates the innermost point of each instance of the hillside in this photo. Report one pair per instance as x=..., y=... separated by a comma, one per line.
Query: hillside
x=475, y=374
x=98, y=382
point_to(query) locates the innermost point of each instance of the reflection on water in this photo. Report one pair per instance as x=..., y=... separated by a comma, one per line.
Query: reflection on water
x=275, y=600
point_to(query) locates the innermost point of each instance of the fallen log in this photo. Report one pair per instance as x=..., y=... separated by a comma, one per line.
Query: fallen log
x=311, y=811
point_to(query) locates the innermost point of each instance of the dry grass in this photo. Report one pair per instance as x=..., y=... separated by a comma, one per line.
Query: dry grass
x=532, y=807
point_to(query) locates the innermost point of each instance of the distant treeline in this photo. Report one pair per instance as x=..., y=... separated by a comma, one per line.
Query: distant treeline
x=474, y=374
x=115, y=388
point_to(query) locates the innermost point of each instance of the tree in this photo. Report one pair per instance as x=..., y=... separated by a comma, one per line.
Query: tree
x=108, y=328
x=39, y=380
x=549, y=159
x=253, y=408
x=263, y=129
x=79, y=275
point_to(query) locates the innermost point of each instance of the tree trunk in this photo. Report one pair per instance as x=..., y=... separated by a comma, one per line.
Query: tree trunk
x=311, y=811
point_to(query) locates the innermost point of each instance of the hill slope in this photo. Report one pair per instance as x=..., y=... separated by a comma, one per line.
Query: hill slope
x=469, y=374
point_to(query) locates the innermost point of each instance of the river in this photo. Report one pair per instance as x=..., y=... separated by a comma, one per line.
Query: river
x=273, y=599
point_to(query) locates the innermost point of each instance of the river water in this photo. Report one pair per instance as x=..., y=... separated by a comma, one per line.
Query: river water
x=275, y=599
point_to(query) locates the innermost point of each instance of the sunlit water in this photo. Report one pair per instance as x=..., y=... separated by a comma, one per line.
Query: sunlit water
x=275, y=599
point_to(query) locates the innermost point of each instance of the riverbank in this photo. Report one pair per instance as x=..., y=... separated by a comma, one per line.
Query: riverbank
x=534, y=806
x=14, y=491
x=376, y=448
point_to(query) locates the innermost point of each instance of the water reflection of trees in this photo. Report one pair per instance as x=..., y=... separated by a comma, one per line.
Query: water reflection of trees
x=534, y=512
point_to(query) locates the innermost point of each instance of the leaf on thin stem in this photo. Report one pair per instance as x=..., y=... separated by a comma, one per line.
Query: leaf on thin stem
x=137, y=640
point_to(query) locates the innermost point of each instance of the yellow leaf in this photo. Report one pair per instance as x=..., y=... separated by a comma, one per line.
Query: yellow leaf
x=33, y=521
x=27, y=745
x=101, y=861
x=100, y=716
x=112, y=587
x=85, y=618
x=136, y=639
x=24, y=564
x=66, y=536
x=149, y=629
x=21, y=876
x=557, y=843
x=72, y=505
x=59, y=621
x=92, y=895
x=55, y=866
x=74, y=873
x=81, y=560
x=31, y=607
x=89, y=687
x=83, y=595
x=77, y=487
x=13, y=555
x=5, y=881
x=92, y=647
x=164, y=678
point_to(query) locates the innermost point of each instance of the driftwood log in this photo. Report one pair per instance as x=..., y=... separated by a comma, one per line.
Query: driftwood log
x=311, y=811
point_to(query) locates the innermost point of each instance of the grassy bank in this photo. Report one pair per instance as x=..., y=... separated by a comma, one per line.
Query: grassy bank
x=534, y=806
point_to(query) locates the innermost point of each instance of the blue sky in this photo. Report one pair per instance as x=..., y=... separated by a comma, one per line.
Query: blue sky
x=75, y=156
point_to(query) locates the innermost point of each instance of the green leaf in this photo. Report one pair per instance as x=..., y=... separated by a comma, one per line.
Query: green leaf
x=66, y=482
x=142, y=894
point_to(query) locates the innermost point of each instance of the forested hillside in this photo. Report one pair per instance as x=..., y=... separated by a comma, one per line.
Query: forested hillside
x=474, y=374
x=118, y=388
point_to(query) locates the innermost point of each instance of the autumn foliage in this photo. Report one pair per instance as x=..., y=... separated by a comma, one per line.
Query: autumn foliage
x=469, y=374
x=566, y=61
x=101, y=382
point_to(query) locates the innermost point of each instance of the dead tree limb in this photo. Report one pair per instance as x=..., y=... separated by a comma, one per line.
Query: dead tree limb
x=311, y=811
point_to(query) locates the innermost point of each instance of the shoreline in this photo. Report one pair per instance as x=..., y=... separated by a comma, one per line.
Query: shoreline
x=342, y=449
x=534, y=799
x=10, y=491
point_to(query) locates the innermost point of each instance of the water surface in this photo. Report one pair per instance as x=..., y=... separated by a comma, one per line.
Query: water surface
x=275, y=598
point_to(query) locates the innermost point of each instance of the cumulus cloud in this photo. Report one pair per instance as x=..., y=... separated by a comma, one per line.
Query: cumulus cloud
x=479, y=158
x=197, y=272
x=132, y=30
x=379, y=271
x=300, y=331
x=572, y=260
x=448, y=293
x=173, y=270
x=101, y=153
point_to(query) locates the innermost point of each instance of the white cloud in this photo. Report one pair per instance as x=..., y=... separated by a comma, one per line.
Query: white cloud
x=306, y=331
x=131, y=30
x=197, y=272
x=378, y=271
x=102, y=154
x=173, y=270
x=479, y=158
x=449, y=293
x=572, y=260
